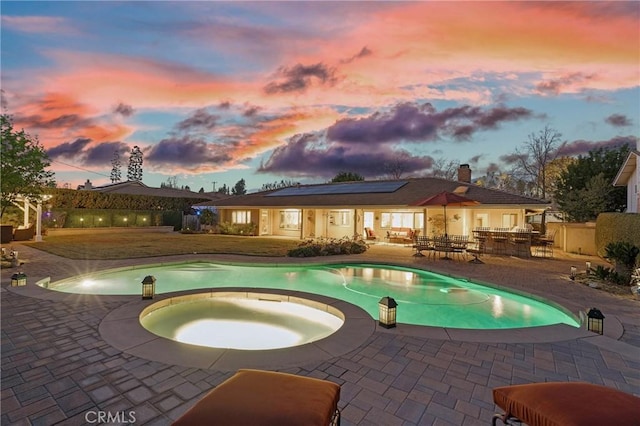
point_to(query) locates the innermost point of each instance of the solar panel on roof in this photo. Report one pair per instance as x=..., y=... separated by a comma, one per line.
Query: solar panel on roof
x=340, y=188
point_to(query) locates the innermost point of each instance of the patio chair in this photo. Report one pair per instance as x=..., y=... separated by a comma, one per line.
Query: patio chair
x=500, y=238
x=421, y=244
x=24, y=233
x=370, y=235
x=545, y=245
x=442, y=244
x=565, y=403
x=261, y=398
x=459, y=245
x=481, y=235
x=521, y=242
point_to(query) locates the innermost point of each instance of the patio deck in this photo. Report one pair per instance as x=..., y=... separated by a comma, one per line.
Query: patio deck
x=57, y=368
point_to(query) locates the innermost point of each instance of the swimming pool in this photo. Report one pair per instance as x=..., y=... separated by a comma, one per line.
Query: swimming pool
x=424, y=298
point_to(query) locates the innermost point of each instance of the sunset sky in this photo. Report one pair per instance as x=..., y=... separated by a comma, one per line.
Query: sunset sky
x=219, y=91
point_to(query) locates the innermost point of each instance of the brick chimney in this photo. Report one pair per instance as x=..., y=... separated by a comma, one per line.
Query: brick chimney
x=464, y=173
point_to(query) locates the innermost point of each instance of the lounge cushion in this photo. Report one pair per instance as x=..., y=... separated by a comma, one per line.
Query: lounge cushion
x=568, y=404
x=256, y=397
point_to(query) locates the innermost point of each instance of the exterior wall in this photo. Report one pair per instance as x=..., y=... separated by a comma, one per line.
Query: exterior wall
x=633, y=191
x=577, y=238
x=343, y=222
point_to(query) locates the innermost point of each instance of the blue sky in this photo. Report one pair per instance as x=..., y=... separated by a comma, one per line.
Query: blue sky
x=265, y=91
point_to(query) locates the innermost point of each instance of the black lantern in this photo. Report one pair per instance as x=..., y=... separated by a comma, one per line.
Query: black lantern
x=148, y=287
x=595, y=321
x=387, y=310
x=18, y=279
x=572, y=275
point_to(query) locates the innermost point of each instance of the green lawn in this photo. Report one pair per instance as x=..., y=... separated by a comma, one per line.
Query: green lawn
x=131, y=245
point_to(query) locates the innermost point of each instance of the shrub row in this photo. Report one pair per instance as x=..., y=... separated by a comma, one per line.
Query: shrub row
x=72, y=199
x=228, y=228
x=328, y=247
x=103, y=218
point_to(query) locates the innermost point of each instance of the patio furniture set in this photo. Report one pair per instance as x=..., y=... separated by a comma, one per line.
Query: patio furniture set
x=517, y=242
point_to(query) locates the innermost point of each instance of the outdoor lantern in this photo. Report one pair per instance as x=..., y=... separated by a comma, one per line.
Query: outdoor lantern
x=387, y=310
x=148, y=287
x=588, y=264
x=572, y=276
x=18, y=279
x=595, y=321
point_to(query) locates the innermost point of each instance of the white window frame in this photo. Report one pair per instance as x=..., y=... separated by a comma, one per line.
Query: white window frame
x=241, y=217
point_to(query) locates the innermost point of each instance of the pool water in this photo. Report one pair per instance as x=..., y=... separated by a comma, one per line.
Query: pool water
x=423, y=297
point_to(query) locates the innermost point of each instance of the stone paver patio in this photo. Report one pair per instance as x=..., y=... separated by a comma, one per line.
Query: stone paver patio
x=57, y=369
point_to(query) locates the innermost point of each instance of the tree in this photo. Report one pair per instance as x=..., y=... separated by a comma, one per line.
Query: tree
x=134, y=172
x=397, y=166
x=239, y=188
x=23, y=164
x=276, y=185
x=585, y=188
x=347, y=177
x=116, y=175
x=201, y=191
x=171, y=182
x=224, y=189
x=534, y=157
x=445, y=169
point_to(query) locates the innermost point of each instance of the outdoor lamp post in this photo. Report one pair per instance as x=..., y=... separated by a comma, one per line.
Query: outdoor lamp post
x=148, y=287
x=387, y=310
x=572, y=276
x=595, y=321
x=18, y=279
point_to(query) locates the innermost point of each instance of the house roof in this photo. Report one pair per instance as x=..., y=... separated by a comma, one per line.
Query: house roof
x=376, y=193
x=139, y=188
x=627, y=169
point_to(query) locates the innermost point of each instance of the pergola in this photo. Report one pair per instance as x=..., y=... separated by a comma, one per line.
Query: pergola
x=25, y=204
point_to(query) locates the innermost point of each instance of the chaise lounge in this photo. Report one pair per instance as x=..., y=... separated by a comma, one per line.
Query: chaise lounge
x=566, y=404
x=265, y=398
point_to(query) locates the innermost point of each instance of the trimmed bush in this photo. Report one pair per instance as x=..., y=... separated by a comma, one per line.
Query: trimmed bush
x=228, y=228
x=329, y=247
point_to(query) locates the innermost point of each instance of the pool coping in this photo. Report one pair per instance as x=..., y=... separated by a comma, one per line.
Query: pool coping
x=121, y=329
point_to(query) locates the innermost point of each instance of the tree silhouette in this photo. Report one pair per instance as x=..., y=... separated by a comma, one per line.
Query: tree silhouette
x=134, y=172
x=116, y=175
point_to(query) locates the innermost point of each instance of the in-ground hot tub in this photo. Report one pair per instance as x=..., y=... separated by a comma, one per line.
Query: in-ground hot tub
x=239, y=320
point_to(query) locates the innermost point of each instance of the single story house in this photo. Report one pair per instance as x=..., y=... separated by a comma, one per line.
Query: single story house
x=629, y=176
x=336, y=210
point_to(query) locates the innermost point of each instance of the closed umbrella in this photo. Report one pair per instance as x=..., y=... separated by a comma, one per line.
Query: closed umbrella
x=445, y=199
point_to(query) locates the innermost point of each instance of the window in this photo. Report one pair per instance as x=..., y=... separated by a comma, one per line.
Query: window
x=509, y=220
x=339, y=217
x=241, y=216
x=290, y=219
x=385, y=220
x=418, y=220
x=402, y=220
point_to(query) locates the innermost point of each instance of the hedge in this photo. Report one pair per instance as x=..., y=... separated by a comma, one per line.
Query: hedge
x=72, y=199
x=615, y=227
x=103, y=218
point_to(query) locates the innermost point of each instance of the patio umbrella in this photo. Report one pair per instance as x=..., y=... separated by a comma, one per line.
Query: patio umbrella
x=445, y=199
